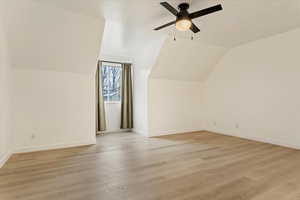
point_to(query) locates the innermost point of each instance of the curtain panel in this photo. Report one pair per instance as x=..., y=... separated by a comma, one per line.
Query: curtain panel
x=101, y=119
x=127, y=102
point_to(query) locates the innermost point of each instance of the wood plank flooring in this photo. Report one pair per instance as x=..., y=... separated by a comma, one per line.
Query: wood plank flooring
x=126, y=166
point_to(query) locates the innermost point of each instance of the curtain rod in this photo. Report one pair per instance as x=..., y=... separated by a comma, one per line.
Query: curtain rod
x=116, y=62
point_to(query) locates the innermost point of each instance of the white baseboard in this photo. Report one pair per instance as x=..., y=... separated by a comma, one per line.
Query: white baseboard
x=140, y=132
x=173, y=132
x=54, y=146
x=4, y=158
x=258, y=139
x=114, y=131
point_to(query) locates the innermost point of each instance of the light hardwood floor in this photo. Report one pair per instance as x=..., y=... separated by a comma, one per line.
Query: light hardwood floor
x=126, y=166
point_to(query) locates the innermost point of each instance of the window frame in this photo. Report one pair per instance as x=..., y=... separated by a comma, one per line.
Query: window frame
x=113, y=64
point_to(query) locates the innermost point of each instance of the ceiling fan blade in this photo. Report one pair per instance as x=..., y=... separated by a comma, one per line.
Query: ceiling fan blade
x=165, y=25
x=194, y=28
x=206, y=11
x=169, y=8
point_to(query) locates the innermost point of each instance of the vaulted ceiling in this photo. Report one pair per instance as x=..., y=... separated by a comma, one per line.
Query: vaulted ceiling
x=186, y=60
x=44, y=37
x=241, y=20
x=129, y=27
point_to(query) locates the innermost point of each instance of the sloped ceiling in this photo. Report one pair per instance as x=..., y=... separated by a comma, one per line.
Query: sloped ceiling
x=45, y=37
x=131, y=23
x=241, y=20
x=186, y=60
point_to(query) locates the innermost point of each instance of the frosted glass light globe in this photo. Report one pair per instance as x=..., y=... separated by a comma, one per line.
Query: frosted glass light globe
x=183, y=24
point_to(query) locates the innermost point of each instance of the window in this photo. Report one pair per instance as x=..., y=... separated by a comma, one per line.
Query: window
x=111, y=81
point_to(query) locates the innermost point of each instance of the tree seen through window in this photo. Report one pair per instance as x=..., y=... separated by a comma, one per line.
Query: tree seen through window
x=111, y=81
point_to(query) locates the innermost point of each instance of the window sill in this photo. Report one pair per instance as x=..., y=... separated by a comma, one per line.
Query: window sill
x=112, y=102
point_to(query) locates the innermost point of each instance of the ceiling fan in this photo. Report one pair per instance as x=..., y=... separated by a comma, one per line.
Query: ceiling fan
x=183, y=20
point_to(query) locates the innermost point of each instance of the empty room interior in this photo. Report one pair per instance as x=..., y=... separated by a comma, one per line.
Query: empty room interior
x=149, y=100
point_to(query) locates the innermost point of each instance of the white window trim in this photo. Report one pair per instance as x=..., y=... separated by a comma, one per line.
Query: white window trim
x=112, y=102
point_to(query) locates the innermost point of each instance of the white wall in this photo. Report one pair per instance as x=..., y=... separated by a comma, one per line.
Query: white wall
x=175, y=85
x=254, y=91
x=52, y=109
x=113, y=116
x=53, y=52
x=140, y=100
x=5, y=83
x=174, y=106
x=144, y=62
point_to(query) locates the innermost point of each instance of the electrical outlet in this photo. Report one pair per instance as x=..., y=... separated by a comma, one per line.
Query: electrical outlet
x=237, y=125
x=33, y=136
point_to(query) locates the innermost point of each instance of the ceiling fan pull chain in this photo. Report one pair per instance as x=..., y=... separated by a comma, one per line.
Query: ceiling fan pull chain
x=174, y=36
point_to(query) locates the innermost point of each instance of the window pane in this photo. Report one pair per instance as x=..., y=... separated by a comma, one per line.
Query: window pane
x=111, y=82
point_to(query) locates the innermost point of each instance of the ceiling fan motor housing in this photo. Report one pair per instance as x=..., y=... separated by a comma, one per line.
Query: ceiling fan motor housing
x=183, y=14
x=183, y=6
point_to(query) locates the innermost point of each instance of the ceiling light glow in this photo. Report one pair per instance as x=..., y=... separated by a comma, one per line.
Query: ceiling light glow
x=183, y=24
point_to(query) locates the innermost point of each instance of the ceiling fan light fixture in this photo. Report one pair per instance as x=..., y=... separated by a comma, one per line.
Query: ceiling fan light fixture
x=183, y=24
x=184, y=19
